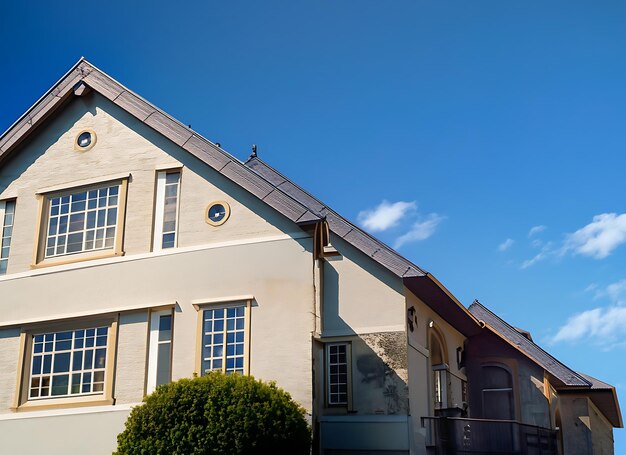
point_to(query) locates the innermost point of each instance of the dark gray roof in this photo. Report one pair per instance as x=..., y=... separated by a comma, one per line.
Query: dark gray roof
x=255, y=176
x=361, y=240
x=528, y=347
x=85, y=73
x=596, y=384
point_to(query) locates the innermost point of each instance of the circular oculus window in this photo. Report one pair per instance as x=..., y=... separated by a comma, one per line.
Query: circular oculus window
x=85, y=140
x=217, y=213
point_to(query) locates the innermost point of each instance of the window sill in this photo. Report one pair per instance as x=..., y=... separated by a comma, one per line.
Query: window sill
x=70, y=259
x=61, y=403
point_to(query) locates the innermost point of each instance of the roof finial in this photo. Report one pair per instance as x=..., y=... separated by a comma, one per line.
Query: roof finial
x=253, y=151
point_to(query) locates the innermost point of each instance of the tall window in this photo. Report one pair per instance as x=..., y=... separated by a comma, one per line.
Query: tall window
x=7, y=214
x=223, y=339
x=82, y=221
x=497, y=393
x=166, y=211
x=160, y=357
x=68, y=363
x=337, y=373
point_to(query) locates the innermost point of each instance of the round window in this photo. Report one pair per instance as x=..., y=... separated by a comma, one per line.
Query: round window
x=85, y=140
x=217, y=213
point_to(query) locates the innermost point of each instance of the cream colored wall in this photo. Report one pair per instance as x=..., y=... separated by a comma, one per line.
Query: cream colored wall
x=420, y=374
x=125, y=145
x=9, y=357
x=132, y=347
x=86, y=433
x=276, y=273
x=360, y=296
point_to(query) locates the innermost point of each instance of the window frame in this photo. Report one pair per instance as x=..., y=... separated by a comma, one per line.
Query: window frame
x=153, y=349
x=45, y=197
x=216, y=304
x=3, y=205
x=27, y=335
x=159, y=208
x=326, y=352
x=492, y=391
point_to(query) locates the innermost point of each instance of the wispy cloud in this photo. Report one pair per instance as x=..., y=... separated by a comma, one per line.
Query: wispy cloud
x=386, y=215
x=536, y=230
x=599, y=238
x=546, y=251
x=508, y=243
x=420, y=230
x=603, y=326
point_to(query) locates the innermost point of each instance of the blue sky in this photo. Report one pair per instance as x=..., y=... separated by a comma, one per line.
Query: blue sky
x=485, y=140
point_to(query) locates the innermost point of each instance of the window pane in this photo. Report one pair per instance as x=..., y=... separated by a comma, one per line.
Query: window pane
x=163, y=364
x=224, y=352
x=337, y=374
x=76, y=215
x=6, y=223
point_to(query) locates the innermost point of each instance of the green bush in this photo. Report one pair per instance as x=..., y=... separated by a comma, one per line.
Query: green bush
x=216, y=414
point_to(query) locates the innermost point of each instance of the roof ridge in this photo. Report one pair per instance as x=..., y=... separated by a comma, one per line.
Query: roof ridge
x=477, y=303
x=382, y=244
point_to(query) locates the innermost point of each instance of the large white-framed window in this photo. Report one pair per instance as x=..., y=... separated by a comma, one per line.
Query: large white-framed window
x=224, y=339
x=7, y=216
x=166, y=210
x=160, y=354
x=83, y=222
x=338, y=374
x=68, y=363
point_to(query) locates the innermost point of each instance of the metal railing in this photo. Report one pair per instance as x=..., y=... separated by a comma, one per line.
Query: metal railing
x=463, y=436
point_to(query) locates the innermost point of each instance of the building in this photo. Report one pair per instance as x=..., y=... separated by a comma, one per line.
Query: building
x=136, y=252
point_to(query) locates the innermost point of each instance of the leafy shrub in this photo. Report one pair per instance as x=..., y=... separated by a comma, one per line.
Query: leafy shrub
x=216, y=414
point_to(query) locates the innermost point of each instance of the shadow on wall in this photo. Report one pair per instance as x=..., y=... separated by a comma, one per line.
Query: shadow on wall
x=379, y=359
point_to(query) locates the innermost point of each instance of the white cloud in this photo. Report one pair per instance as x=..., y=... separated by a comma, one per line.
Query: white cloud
x=599, y=238
x=546, y=251
x=604, y=326
x=536, y=230
x=385, y=216
x=508, y=243
x=420, y=230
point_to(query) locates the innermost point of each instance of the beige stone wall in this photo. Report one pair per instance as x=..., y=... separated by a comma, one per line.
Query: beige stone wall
x=276, y=273
x=420, y=373
x=132, y=347
x=124, y=145
x=86, y=433
x=360, y=296
x=9, y=357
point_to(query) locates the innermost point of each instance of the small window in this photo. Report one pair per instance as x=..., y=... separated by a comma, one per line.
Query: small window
x=217, y=213
x=440, y=386
x=85, y=141
x=7, y=215
x=160, y=357
x=166, y=210
x=224, y=340
x=337, y=377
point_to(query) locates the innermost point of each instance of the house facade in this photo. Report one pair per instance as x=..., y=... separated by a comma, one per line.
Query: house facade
x=136, y=252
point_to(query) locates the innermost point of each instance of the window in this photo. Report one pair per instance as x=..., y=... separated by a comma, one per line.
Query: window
x=160, y=356
x=68, y=363
x=337, y=362
x=84, y=222
x=224, y=340
x=440, y=386
x=166, y=210
x=497, y=393
x=7, y=215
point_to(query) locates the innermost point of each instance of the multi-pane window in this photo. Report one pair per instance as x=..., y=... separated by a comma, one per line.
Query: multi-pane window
x=223, y=339
x=7, y=214
x=337, y=362
x=82, y=221
x=68, y=363
x=160, y=361
x=166, y=214
x=497, y=393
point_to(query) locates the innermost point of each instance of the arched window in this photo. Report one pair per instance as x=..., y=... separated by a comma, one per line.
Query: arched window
x=439, y=367
x=497, y=393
